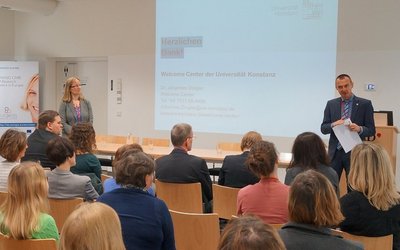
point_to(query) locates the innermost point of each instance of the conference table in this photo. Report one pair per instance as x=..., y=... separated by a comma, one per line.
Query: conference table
x=209, y=155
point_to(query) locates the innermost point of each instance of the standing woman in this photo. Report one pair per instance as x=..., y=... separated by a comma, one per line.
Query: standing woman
x=12, y=148
x=24, y=213
x=74, y=107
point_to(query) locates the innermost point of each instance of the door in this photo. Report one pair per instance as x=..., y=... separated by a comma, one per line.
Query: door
x=93, y=76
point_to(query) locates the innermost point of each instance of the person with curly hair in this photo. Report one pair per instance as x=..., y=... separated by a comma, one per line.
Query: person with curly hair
x=268, y=198
x=83, y=137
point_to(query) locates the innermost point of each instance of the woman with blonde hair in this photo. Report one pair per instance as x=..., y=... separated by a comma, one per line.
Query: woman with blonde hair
x=23, y=215
x=313, y=209
x=92, y=226
x=373, y=208
x=13, y=145
x=31, y=98
x=74, y=108
x=249, y=232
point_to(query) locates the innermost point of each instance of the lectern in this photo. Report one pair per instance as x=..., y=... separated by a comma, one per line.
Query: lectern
x=386, y=136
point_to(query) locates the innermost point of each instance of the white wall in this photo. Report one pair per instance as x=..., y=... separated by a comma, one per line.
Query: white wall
x=7, y=35
x=368, y=49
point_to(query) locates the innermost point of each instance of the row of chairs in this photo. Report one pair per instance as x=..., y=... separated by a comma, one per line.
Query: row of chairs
x=187, y=198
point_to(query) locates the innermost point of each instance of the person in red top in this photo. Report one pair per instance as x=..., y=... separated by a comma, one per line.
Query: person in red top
x=268, y=198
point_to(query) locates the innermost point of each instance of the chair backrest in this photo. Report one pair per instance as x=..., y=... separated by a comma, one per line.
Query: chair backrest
x=195, y=231
x=60, y=209
x=229, y=146
x=370, y=243
x=224, y=201
x=276, y=226
x=158, y=142
x=7, y=243
x=117, y=139
x=183, y=197
x=3, y=196
x=105, y=177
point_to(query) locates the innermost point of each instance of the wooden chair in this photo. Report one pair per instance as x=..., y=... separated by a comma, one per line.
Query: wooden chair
x=224, y=201
x=229, y=146
x=117, y=139
x=60, y=209
x=7, y=243
x=183, y=197
x=195, y=231
x=370, y=243
x=276, y=226
x=3, y=196
x=157, y=142
x=105, y=177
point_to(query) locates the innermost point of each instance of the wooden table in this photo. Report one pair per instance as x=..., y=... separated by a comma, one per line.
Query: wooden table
x=209, y=155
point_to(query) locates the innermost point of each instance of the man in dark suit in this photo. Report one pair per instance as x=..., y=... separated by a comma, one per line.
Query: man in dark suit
x=234, y=172
x=49, y=127
x=361, y=114
x=180, y=167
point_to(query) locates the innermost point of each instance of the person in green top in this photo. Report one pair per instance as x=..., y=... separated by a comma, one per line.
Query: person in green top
x=23, y=215
x=83, y=137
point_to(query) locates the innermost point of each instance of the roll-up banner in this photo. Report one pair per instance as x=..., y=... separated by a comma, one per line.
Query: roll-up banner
x=19, y=95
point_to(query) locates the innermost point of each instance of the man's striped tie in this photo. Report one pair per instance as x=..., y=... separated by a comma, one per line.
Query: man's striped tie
x=345, y=115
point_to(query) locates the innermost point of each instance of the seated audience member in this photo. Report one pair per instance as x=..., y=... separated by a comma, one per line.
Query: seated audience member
x=92, y=226
x=12, y=149
x=110, y=183
x=49, y=127
x=313, y=209
x=373, y=207
x=62, y=183
x=250, y=232
x=84, y=139
x=180, y=167
x=309, y=152
x=234, y=173
x=268, y=198
x=23, y=215
x=145, y=219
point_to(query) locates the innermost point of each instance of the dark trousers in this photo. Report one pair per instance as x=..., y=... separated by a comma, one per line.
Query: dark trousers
x=340, y=161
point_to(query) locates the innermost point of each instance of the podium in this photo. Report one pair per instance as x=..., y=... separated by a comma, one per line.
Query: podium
x=386, y=136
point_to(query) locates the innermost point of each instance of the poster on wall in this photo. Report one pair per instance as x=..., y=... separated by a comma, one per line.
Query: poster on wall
x=19, y=95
